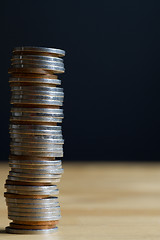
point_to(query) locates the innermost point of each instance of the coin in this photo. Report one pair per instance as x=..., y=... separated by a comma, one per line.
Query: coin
x=38, y=223
x=26, y=179
x=30, y=231
x=37, y=163
x=37, y=110
x=34, y=209
x=36, y=88
x=40, y=154
x=37, y=140
x=34, y=214
x=31, y=188
x=37, y=102
x=32, y=193
x=37, y=137
x=58, y=52
x=31, y=218
x=30, y=70
x=37, y=62
x=38, y=227
x=38, y=171
x=37, y=97
x=31, y=167
x=36, y=145
x=30, y=206
x=33, y=158
x=35, y=114
x=36, y=128
x=35, y=119
x=54, y=69
x=49, y=200
x=46, y=149
x=36, y=80
x=17, y=174
x=40, y=57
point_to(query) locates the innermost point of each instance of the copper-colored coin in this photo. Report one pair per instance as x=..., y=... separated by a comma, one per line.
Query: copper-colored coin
x=44, y=223
x=17, y=84
x=28, y=70
x=22, y=226
x=15, y=157
x=49, y=76
x=37, y=106
x=27, y=183
x=32, y=122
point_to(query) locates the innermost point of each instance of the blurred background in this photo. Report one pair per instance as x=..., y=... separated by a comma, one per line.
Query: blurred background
x=112, y=79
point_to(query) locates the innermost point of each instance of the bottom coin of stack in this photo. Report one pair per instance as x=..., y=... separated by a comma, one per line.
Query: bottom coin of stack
x=31, y=195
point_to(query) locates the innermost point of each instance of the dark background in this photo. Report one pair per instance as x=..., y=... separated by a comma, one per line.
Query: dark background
x=112, y=79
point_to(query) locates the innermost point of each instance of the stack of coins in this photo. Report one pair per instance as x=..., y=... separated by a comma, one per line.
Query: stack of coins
x=36, y=145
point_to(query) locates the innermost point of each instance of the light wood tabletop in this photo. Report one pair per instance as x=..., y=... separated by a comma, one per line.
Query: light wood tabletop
x=102, y=201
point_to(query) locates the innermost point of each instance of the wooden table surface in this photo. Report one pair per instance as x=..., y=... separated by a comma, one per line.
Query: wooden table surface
x=102, y=201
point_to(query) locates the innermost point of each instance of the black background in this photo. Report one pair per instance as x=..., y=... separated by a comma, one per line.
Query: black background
x=112, y=79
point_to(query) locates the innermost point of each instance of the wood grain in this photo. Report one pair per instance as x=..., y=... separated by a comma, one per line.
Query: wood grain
x=102, y=201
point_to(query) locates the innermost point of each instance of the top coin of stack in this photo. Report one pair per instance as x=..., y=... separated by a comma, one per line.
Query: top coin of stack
x=36, y=145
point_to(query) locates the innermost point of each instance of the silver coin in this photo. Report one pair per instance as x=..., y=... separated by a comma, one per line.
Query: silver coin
x=41, y=111
x=38, y=94
x=36, y=88
x=43, y=193
x=38, y=171
x=45, y=148
x=55, y=139
x=36, y=168
x=31, y=218
x=40, y=57
x=34, y=214
x=38, y=80
x=37, y=102
x=37, y=62
x=38, y=154
x=37, y=137
x=30, y=206
x=33, y=209
x=35, y=145
x=34, y=140
x=31, y=231
x=49, y=200
x=46, y=154
x=31, y=188
x=39, y=163
x=44, y=180
x=16, y=174
x=37, y=149
x=37, y=132
x=36, y=127
x=35, y=114
x=39, y=49
x=45, y=67
x=37, y=97
x=38, y=110
x=37, y=119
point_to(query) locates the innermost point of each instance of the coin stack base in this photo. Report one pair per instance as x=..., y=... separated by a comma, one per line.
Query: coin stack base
x=36, y=145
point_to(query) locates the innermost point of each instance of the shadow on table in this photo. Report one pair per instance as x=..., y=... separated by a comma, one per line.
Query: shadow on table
x=2, y=230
